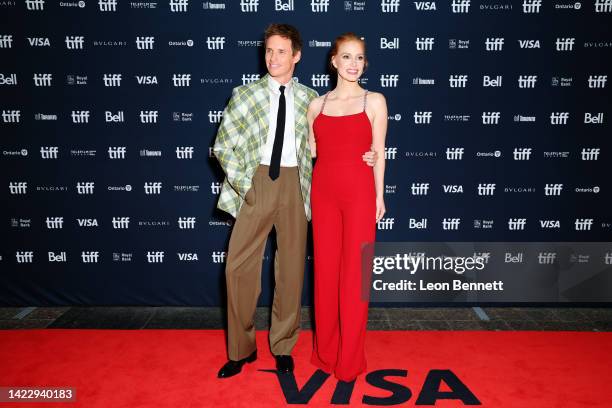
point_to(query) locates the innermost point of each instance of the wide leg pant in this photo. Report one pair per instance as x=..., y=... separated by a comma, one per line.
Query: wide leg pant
x=277, y=203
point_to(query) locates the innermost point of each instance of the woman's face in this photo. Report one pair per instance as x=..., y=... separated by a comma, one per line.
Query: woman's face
x=350, y=60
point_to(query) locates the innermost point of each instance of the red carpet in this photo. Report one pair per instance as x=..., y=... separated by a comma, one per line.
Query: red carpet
x=177, y=368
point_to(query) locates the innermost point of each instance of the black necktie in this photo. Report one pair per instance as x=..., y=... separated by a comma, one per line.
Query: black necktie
x=277, y=149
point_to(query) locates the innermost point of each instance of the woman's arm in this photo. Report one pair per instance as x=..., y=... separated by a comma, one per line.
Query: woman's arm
x=311, y=114
x=379, y=134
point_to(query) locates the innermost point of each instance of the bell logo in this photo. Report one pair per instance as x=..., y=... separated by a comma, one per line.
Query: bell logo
x=386, y=44
x=121, y=222
x=386, y=224
x=413, y=223
x=107, y=5
x=458, y=81
x=389, y=81
x=583, y=224
x=454, y=153
x=117, y=152
x=527, y=81
x=460, y=6
x=48, y=152
x=488, y=82
x=184, y=152
x=85, y=187
x=54, y=222
x=494, y=44
x=145, y=43
x=486, y=189
x=155, y=256
x=589, y=154
x=42, y=79
x=451, y=224
x=53, y=257
x=249, y=6
x=109, y=117
x=24, y=256
x=419, y=189
x=181, y=80
x=319, y=80
x=90, y=256
x=390, y=6
x=553, y=189
x=152, y=187
x=523, y=153
x=595, y=119
x=186, y=222
x=215, y=43
x=74, y=42
x=531, y=6
x=597, y=81
x=35, y=5
x=422, y=118
x=517, y=224
x=287, y=6
x=178, y=6
x=547, y=258
x=565, y=44
x=424, y=43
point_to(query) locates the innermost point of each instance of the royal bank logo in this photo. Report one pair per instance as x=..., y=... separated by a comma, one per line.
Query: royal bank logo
x=116, y=152
x=527, y=81
x=591, y=153
x=38, y=42
x=215, y=43
x=451, y=224
x=18, y=187
x=559, y=118
x=390, y=6
x=486, y=189
x=425, y=5
x=597, y=81
x=419, y=189
x=491, y=118
x=76, y=79
x=594, y=118
x=49, y=152
x=565, y=44
x=155, y=256
x=215, y=187
x=521, y=153
x=458, y=81
x=389, y=80
x=107, y=5
x=6, y=41
x=112, y=80
x=517, y=224
x=148, y=116
x=11, y=116
x=460, y=6
x=389, y=44
x=553, y=189
x=319, y=80
x=531, y=6
x=145, y=43
x=179, y=6
x=54, y=222
x=454, y=153
x=385, y=224
x=494, y=44
x=35, y=5
x=603, y=6
x=455, y=44
x=24, y=257
x=249, y=78
x=424, y=43
x=529, y=44
x=583, y=224
x=186, y=222
x=490, y=82
x=80, y=116
x=74, y=42
x=249, y=6
x=152, y=187
x=484, y=224
x=184, y=152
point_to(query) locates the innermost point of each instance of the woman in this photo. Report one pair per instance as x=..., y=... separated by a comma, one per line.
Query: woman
x=347, y=201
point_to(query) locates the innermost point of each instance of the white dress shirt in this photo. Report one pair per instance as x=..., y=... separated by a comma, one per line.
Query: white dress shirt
x=289, y=154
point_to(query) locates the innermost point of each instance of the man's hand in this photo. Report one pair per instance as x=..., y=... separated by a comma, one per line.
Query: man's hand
x=250, y=197
x=370, y=158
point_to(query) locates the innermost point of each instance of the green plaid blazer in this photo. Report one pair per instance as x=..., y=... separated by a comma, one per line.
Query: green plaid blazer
x=243, y=131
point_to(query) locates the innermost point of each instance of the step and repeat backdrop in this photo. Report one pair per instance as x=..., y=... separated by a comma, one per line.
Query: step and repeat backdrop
x=499, y=131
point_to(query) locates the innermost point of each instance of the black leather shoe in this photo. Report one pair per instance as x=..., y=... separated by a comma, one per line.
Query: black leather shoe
x=232, y=367
x=284, y=364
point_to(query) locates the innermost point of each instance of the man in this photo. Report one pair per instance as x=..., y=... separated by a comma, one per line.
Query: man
x=262, y=146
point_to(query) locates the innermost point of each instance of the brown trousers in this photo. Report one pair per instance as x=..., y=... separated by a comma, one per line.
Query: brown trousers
x=276, y=203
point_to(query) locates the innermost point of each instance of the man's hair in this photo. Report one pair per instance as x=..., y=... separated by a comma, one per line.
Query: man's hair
x=286, y=31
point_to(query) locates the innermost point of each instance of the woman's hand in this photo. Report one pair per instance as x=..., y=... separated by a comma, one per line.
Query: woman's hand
x=380, y=208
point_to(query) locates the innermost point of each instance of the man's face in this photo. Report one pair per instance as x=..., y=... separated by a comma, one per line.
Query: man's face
x=280, y=59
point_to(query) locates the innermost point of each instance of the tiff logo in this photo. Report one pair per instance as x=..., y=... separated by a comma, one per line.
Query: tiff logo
x=451, y=224
x=215, y=43
x=454, y=153
x=107, y=5
x=390, y=6
x=6, y=41
x=74, y=42
x=460, y=6
x=35, y=5
x=181, y=80
x=215, y=188
x=11, y=116
x=490, y=118
x=531, y=6
x=385, y=224
x=553, y=189
x=597, y=81
x=186, y=222
x=319, y=80
x=421, y=118
x=603, y=6
x=389, y=80
x=583, y=224
x=218, y=257
x=608, y=258
x=112, y=79
x=120, y=222
x=184, y=152
x=85, y=187
x=565, y=44
x=559, y=118
x=80, y=116
x=178, y=6
x=214, y=116
x=248, y=78
x=145, y=43
x=48, y=152
x=148, y=116
x=547, y=258
x=152, y=187
x=24, y=256
x=90, y=256
x=390, y=153
x=486, y=189
x=116, y=152
x=590, y=153
x=458, y=81
x=419, y=189
x=19, y=187
x=155, y=256
x=517, y=224
x=42, y=79
x=527, y=81
x=494, y=44
x=424, y=43
x=523, y=153
x=319, y=6
x=54, y=222
x=249, y=6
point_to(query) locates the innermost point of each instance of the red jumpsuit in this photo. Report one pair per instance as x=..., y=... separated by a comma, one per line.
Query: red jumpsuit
x=343, y=201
